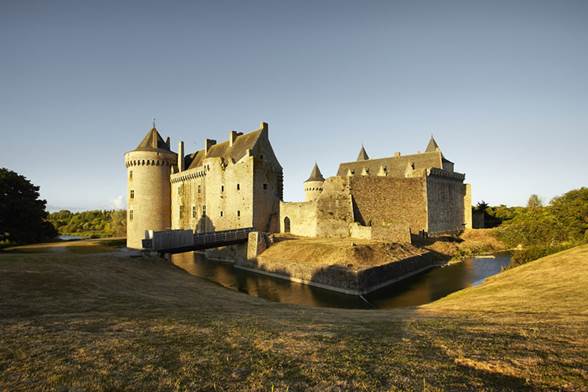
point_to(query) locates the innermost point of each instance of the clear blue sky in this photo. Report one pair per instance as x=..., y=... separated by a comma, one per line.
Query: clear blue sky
x=503, y=86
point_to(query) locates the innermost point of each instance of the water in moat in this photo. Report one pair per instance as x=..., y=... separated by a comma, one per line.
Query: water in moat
x=416, y=290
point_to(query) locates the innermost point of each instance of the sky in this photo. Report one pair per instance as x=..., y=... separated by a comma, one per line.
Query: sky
x=502, y=85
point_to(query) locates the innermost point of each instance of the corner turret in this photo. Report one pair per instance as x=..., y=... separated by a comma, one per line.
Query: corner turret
x=363, y=156
x=313, y=186
x=432, y=146
x=148, y=180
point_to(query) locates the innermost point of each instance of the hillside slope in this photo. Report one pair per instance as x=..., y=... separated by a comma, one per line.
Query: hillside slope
x=554, y=284
x=106, y=321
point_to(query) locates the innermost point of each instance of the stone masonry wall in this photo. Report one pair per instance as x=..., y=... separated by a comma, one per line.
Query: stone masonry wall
x=381, y=201
x=301, y=217
x=334, y=209
x=445, y=204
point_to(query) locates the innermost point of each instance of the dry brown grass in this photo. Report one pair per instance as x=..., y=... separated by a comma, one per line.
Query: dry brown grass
x=354, y=254
x=110, y=322
x=471, y=242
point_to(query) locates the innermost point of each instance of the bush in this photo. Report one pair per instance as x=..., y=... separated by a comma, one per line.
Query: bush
x=545, y=230
x=534, y=253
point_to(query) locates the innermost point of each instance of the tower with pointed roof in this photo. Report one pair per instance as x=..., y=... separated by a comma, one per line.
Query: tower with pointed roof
x=149, y=167
x=362, y=156
x=313, y=186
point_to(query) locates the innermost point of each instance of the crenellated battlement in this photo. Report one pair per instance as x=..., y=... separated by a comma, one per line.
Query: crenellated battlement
x=188, y=175
x=150, y=162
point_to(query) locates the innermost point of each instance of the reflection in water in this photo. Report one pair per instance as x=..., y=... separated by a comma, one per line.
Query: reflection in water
x=417, y=290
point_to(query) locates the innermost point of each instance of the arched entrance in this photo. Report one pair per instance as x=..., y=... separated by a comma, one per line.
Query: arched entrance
x=286, y=225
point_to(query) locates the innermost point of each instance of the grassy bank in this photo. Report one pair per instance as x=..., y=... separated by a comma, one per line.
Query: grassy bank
x=472, y=242
x=105, y=321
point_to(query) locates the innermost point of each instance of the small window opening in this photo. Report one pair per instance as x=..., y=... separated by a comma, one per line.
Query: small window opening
x=199, y=188
x=130, y=175
x=222, y=188
x=238, y=213
x=132, y=194
x=131, y=215
x=264, y=186
x=193, y=211
x=221, y=213
x=238, y=187
x=203, y=210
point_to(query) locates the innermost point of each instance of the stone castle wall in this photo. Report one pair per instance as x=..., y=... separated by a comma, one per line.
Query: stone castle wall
x=445, y=198
x=334, y=210
x=148, y=194
x=467, y=206
x=298, y=218
x=381, y=201
x=213, y=198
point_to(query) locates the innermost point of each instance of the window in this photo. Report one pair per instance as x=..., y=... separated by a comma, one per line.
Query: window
x=261, y=157
x=221, y=214
x=199, y=188
x=238, y=213
x=130, y=215
x=238, y=187
x=264, y=187
x=193, y=211
x=130, y=175
x=222, y=188
x=132, y=194
x=203, y=210
x=181, y=212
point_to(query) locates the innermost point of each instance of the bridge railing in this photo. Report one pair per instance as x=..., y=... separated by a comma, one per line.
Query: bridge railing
x=184, y=240
x=222, y=236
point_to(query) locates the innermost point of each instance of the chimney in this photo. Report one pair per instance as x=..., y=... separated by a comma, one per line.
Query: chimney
x=181, y=156
x=233, y=136
x=207, y=144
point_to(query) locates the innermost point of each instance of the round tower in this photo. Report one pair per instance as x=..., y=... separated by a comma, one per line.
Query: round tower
x=314, y=185
x=149, y=191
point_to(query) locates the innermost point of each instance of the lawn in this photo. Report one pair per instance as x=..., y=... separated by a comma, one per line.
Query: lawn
x=107, y=321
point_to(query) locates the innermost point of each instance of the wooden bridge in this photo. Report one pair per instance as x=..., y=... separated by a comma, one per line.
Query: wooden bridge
x=178, y=241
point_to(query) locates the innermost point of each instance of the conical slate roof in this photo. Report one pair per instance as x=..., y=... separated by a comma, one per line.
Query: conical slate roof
x=432, y=146
x=363, y=156
x=152, y=141
x=315, y=174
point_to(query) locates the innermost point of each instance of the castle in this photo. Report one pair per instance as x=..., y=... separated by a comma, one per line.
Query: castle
x=392, y=199
x=239, y=184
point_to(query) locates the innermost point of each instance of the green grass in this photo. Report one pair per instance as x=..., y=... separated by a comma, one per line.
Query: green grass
x=105, y=321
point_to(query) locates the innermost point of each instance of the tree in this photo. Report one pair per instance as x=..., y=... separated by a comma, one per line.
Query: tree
x=118, y=226
x=534, y=202
x=571, y=210
x=23, y=217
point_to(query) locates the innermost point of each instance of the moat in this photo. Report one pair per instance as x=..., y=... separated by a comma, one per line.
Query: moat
x=417, y=290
